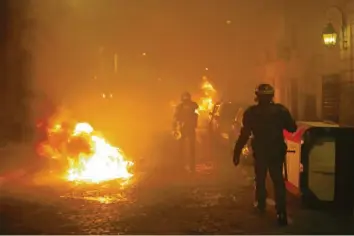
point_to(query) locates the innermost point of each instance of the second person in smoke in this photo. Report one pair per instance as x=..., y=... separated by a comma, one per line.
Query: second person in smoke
x=186, y=120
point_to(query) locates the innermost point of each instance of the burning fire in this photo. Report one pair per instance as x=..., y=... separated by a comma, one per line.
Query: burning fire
x=88, y=157
x=206, y=101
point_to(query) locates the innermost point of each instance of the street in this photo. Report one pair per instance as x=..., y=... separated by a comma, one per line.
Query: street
x=216, y=200
x=91, y=91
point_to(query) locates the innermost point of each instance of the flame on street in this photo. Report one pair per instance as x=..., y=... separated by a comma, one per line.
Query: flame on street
x=206, y=101
x=86, y=155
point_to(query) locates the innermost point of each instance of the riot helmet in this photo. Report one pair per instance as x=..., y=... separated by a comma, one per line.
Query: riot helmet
x=264, y=93
x=186, y=96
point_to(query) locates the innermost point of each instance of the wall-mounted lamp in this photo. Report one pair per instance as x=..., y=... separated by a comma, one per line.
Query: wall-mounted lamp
x=329, y=34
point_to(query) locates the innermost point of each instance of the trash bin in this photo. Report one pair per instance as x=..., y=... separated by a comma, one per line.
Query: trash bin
x=319, y=165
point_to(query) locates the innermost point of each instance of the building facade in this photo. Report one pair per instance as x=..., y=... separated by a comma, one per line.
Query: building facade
x=298, y=62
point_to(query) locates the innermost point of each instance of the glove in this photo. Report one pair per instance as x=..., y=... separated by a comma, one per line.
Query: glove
x=236, y=159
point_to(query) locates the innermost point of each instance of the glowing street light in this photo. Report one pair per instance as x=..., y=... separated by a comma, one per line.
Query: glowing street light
x=329, y=35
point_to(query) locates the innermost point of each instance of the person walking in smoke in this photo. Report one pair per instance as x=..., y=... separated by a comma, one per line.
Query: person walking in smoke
x=185, y=121
x=266, y=121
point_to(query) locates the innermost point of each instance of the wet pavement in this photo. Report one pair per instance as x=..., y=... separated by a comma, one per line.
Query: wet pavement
x=160, y=199
x=166, y=202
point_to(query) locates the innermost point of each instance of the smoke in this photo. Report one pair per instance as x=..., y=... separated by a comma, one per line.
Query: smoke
x=162, y=49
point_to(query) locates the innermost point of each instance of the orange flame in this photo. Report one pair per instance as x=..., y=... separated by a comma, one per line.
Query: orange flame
x=206, y=102
x=89, y=157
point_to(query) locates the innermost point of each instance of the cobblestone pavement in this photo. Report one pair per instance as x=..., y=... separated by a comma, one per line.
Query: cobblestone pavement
x=167, y=202
x=161, y=200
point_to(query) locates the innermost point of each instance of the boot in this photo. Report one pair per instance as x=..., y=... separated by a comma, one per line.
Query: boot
x=261, y=208
x=282, y=219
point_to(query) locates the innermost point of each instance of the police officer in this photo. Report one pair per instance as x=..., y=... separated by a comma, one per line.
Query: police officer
x=266, y=121
x=186, y=119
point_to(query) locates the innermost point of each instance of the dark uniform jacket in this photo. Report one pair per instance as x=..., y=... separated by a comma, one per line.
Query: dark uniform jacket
x=186, y=116
x=265, y=122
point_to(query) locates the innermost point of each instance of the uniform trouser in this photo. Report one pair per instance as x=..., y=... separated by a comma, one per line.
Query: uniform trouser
x=188, y=139
x=275, y=168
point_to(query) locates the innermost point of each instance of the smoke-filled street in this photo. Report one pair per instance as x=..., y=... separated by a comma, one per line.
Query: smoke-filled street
x=165, y=117
x=160, y=199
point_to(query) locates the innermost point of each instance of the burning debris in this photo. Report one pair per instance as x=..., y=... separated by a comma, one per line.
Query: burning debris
x=206, y=102
x=85, y=154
